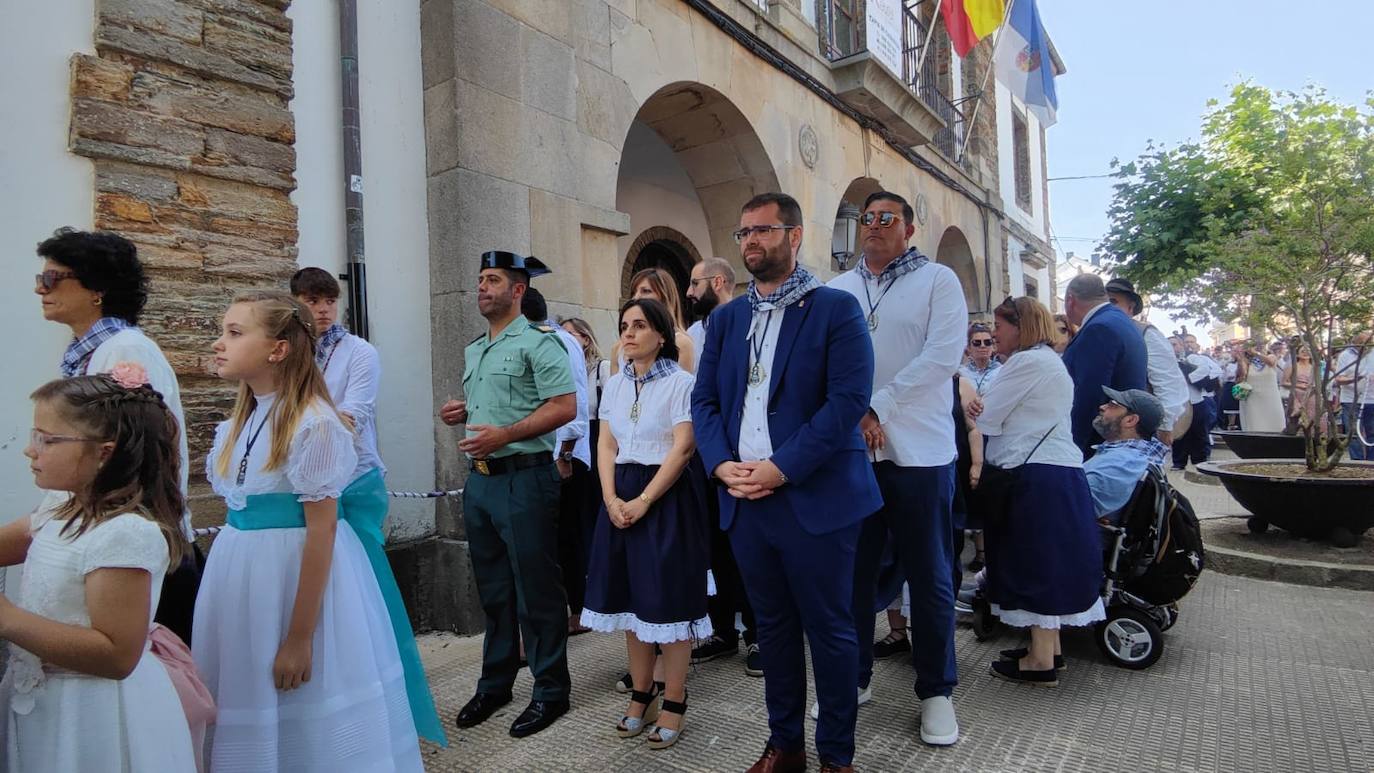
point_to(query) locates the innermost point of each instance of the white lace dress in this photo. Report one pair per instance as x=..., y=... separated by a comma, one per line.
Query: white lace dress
x=352, y=715
x=59, y=720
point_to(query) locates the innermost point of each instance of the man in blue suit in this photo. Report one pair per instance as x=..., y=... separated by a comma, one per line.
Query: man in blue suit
x=1108, y=351
x=783, y=380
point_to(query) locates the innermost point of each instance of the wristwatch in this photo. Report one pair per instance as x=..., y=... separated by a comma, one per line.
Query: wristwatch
x=566, y=456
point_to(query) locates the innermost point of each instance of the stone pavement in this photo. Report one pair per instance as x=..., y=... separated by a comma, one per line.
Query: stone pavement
x=1256, y=676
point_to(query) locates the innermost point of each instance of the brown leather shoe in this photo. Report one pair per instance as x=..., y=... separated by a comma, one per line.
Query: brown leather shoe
x=775, y=760
x=830, y=767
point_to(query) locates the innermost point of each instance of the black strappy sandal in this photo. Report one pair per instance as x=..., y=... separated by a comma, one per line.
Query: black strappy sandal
x=663, y=737
x=629, y=726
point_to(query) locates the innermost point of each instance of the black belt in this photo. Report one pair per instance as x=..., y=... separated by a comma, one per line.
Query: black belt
x=506, y=464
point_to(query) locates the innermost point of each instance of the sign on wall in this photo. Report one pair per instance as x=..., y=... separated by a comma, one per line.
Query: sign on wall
x=884, y=25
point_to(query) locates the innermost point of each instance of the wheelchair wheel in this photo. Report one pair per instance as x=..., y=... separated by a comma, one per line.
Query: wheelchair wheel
x=1256, y=525
x=985, y=624
x=1129, y=638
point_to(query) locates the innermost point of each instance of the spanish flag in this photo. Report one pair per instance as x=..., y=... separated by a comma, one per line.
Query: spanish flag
x=969, y=21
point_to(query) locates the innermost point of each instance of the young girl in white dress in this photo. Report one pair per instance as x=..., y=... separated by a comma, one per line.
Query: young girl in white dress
x=291, y=630
x=82, y=691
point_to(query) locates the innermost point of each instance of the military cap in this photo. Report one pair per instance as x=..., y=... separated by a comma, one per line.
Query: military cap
x=532, y=267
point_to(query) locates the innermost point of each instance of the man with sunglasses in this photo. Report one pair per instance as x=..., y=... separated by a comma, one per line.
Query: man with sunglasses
x=917, y=319
x=786, y=374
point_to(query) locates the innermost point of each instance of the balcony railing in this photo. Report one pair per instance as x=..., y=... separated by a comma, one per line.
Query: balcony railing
x=924, y=84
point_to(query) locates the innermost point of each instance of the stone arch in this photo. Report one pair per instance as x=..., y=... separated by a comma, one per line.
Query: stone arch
x=661, y=247
x=954, y=251
x=851, y=204
x=707, y=141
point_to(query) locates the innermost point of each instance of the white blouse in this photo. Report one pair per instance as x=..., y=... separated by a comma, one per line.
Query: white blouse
x=1031, y=399
x=320, y=464
x=664, y=403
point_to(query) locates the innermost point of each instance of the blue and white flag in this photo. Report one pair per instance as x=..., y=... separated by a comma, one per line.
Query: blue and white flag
x=1024, y=62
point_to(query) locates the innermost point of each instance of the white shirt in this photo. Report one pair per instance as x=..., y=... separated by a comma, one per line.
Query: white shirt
x=1363, y=387
x=917, y=347
x=1091, y=312
x=664, y=403
x=131, y=345
x=1206, y=368
x=353, y=372
x=595, y=385
x=1166, y=380
x=1030, y=400
x=319, y=465
x=577, y=429
x=697, y=332
x=755, y=441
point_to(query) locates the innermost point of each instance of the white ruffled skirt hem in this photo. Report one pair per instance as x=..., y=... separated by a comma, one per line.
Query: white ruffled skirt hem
x=1019, y=618
x=649, y=633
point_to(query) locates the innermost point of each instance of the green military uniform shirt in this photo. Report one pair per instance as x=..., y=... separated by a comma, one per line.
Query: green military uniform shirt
x=506, y=379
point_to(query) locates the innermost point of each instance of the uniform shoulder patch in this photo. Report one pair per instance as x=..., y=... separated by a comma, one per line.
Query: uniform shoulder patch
x=542, y=328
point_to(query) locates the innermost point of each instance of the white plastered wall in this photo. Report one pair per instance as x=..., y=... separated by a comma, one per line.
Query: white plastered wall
x=394, y=201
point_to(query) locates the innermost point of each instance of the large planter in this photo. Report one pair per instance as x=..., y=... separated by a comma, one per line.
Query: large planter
x=1264, y=445
x=1335, y=509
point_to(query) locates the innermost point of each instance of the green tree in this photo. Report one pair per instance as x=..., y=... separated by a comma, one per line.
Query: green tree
x=1268, y=220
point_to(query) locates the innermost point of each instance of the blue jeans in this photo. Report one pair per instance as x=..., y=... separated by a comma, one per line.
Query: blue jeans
x=1358, y=451
x=799, y=583
x=916, y=517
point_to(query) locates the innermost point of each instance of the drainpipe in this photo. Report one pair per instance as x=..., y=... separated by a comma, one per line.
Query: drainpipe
x=355, y=273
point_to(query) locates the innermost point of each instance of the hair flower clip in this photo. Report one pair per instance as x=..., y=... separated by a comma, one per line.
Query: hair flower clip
x=129, y=375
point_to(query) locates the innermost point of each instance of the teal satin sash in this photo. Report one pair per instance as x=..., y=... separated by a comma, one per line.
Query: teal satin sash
x=363, y=506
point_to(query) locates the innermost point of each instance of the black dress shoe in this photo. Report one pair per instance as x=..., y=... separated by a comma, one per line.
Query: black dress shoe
x=537, y=716
x=480, y=708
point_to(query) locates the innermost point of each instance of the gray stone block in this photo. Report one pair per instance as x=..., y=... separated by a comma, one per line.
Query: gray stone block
x=437, y=585
x=470, y=213
x=550, y=79
x=605, y=106
x=438, y=48
x=591, y=22
x=487, y=48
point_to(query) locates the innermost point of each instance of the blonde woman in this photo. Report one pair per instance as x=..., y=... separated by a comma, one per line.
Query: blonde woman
x=658, y=284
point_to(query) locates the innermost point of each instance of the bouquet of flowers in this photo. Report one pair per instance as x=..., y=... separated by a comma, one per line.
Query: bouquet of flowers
x=1241, y=391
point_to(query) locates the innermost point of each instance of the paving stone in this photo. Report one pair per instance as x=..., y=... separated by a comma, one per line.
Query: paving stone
x=1256, y=676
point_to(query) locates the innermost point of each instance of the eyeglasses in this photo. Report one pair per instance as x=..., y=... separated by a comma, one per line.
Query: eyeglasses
x=693, y=282
x=41, y=440
x=980, y=342
x=761, y=231
x=884, y=219
x=49, y=279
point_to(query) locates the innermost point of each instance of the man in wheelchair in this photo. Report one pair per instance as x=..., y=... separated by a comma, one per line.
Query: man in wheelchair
x=1128, y=421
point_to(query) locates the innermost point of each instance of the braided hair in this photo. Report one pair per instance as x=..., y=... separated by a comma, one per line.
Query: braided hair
x=142, y=473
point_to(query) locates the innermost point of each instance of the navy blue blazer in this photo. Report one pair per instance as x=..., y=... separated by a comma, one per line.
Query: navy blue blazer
x=821, y=382
x=1108, y=351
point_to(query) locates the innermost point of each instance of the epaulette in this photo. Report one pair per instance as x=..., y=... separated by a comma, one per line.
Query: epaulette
x=542, y=328
x=475, y=340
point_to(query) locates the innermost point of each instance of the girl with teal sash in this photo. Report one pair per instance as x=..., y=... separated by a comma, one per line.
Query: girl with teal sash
x=352, y=371
x=293, y=635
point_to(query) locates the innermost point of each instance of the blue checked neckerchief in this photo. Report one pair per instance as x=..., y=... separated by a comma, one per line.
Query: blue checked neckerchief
x=330, y=339
x=789, y=292
x=79, y=351
x=661, y=367
x=1150, y=448
x=905, y=263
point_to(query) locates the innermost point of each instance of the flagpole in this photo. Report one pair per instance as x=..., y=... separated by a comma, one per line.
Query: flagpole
x=982, y=90
x=925, y=47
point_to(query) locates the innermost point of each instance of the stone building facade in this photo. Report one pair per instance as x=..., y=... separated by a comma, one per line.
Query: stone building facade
x=600, y=135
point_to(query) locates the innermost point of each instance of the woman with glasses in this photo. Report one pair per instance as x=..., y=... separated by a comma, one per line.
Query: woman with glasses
x=659, y=285
x=93, y=282
x=981, y=366
x=1044, y=552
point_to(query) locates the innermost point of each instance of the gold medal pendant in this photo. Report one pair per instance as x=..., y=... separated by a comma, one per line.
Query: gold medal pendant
x=756, y=375
x=872, y=321
x=634, y=412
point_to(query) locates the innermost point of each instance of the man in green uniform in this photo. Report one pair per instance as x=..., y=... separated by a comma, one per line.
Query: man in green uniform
x=518, y=389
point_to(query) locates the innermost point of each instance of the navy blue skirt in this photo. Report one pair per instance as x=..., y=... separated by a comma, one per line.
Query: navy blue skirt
x=1044, y=554
x=651, y=577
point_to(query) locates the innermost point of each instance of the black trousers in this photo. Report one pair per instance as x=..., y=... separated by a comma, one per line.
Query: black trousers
x=177, y=604
x=575, y=533
x=730, y=597
x=1193, y=445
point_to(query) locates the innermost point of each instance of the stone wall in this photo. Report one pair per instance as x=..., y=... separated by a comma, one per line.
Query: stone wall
x=185, y=114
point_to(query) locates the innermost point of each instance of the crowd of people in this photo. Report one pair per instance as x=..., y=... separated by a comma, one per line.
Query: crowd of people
x=799, y=458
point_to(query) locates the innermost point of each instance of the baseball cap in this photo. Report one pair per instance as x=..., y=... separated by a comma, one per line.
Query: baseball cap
x=1142, y=404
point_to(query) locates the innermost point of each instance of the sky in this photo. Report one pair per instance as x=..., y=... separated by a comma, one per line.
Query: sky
x=1140, y=71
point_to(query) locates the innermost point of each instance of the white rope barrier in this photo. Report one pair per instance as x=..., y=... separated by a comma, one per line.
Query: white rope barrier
x=210, y=531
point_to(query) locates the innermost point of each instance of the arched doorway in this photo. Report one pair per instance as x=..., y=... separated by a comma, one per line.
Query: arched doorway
x=660, y=247
x=955, y=252
x=690, y=161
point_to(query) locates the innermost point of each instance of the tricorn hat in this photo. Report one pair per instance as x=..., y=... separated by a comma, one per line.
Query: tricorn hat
x=532, y=266
x=1124, y=287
